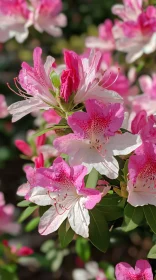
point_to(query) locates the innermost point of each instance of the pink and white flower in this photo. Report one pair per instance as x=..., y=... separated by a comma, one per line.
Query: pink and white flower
x=130, y=10
x=147, y=100
x=62, y=187
x=84, y=78
x=91, y=271
x=105, y=41
x=143, y=270
x=14, y=20
x=46, y=16
x=137, y=37
x=145, y=126
x=3, y=107
x=142, y=176
x=96, y=138
x=38, y=88
x=7, y=225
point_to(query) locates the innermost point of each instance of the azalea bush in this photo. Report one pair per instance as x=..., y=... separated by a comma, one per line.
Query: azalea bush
x=88, y=154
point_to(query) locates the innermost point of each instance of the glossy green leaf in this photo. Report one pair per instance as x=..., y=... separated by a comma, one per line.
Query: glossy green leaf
x=23, y=203
x=43, y=209
x=110, y=206
x=92, y=179
x=152, y=253
x=32, y=224
x=150, y=215
x=98, y=230
x=66, y=234
x=133, y=217
x=83, y=249
x=27, y=212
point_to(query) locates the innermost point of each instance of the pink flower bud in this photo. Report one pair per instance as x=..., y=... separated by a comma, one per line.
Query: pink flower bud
x=40, y=140
x=67, y=85
x=24, y=251
x=39, y=161
x=23, y=147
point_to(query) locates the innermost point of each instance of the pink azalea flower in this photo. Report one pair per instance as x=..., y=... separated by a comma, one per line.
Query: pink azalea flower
x=142, y=176
x=47, y=17
x=147, y=100
x=145, y=126
x=37, y=84
x=148, y=85
x=137, y=37
x=3, y=107
x=96, y=138
x=87, y=83
x=105, y=40
x=63, y=187
x=6, y=217
x=85, y=79
x=14, y=20
x=124, y=271
x=130, y=10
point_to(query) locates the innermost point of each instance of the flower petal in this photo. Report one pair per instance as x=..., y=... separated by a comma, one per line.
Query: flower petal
x=124, y=271
x=51, y=221
x=143, y=267
x=22, y=108
x=79, y=218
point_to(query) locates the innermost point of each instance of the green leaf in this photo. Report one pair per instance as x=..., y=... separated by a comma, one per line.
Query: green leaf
x=6, y=275
x=43, y=209
x=32, y=224
x=110, y=206
x=133, y=217
x=92, y=179
x=27, y=212
x=65, y=234
x=108, y=270
x=152, y=253
x=83, y=249
x=98, y=230
x=150, y=215
x=47, y=246
x=23, y=203
x=40, y=132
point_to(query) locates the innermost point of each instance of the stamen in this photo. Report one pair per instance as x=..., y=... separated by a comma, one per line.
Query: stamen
x=103, y=83
x=115, y=79
x=20, y=92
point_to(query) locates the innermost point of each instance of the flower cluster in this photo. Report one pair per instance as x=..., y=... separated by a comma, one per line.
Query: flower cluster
x=96, y=145
x=16, y=16
x=92, y=138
